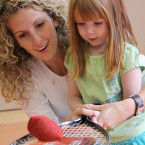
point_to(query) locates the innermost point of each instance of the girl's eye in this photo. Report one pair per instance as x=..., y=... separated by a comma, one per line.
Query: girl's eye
x=40, y=24
x=97, y=23
x=78, y=23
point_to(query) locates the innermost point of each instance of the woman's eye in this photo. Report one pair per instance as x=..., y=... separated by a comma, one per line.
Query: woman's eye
x=40, y=24
x=22, y=35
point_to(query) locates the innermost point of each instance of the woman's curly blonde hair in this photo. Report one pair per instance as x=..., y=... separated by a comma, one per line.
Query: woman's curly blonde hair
x=13, y=60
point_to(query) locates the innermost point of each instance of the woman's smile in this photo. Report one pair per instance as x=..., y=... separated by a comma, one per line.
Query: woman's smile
x=43, y=49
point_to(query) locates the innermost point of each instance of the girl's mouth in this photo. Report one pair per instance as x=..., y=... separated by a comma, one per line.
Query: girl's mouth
x=92, y=39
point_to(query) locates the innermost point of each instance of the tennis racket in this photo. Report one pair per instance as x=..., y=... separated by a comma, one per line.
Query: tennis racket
x=80, y=131
x=83, y=131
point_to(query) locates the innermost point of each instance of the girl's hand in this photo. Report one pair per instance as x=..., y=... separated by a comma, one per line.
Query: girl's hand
x=113, y=113
x=77, y=113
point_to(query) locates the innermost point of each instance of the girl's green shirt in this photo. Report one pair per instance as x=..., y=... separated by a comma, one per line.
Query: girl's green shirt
x=94, y=88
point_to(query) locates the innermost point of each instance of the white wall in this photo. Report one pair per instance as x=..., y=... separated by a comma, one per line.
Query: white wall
x=136, y=12
x=7, y=106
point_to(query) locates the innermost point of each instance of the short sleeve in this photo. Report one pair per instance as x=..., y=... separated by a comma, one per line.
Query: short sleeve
x=142, y=59
x=131, y=59
x=39, y=103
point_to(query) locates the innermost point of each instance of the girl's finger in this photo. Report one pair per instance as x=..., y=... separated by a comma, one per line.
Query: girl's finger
x=93, y=107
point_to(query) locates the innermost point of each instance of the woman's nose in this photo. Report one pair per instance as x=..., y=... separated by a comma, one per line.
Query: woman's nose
x=36, y=38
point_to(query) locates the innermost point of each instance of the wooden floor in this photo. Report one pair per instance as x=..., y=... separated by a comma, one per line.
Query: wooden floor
x=13, y=125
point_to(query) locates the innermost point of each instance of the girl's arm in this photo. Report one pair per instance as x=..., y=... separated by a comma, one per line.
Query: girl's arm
x=74, y=96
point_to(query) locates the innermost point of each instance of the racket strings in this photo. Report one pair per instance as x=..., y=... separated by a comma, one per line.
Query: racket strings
x=82, y=134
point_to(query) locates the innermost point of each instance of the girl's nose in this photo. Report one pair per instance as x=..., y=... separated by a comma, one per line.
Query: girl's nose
x=90, y=31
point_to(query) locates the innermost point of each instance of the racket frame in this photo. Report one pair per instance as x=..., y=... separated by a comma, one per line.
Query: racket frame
x=85, y=119
x=78, y=121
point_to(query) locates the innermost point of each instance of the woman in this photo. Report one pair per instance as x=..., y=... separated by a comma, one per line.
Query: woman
x=33, y=42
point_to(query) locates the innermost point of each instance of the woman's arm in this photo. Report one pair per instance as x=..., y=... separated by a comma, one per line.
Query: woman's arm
x=39, y=105
x=131, y=82
x=113, y=113
x=74, y=96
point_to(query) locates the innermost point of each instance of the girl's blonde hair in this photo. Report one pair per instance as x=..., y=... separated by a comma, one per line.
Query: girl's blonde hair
x=120, y=31
x=13, y=59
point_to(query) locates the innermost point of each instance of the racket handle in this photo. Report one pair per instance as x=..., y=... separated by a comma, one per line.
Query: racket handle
x=96, y=104
x=84, y=117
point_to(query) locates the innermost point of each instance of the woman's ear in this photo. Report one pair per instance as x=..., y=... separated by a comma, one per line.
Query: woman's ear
x=55, y=22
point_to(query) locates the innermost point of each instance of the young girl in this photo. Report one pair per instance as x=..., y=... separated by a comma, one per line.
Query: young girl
x=103, y=62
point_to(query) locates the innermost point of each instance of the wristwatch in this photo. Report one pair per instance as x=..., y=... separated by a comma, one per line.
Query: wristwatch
x=139, y=104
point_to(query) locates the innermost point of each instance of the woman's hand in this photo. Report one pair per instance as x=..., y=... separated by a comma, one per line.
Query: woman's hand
x=113, y=113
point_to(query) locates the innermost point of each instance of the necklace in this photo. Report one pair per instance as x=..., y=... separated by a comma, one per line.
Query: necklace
x=55, y=71
x=54, y=75
x=53, y=81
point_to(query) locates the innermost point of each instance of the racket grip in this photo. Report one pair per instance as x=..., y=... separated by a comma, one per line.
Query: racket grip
x=84, y=117
x=90, y=118
x=96, y=104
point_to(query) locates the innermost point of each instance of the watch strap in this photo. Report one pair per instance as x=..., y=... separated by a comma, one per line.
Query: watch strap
x=139, y=104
